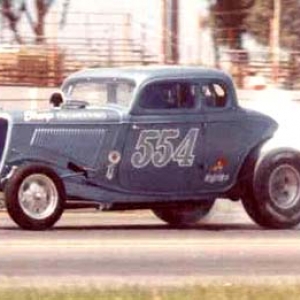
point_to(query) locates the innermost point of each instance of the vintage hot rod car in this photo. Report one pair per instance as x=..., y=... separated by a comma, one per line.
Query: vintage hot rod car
x=170, y=139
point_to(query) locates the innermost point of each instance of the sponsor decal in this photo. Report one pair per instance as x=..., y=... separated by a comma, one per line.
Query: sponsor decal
x=38, y=116
x=114, y=157
x=219, y=165
x=216, y=178
x=85, y=115
x=48, y=116
x=216, y=172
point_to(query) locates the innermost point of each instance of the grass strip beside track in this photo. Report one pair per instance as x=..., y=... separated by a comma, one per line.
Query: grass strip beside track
x=200, y=292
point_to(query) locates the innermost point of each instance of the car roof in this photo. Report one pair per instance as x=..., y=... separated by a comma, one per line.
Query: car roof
x=140, y=74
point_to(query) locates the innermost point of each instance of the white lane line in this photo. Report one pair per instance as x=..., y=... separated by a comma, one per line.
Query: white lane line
x=146, y=280
x=151, y=244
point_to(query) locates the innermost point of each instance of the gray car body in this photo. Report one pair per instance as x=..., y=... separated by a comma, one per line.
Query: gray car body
x=77, y=143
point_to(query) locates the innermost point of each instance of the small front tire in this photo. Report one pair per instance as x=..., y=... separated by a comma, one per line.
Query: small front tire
x=35, y=197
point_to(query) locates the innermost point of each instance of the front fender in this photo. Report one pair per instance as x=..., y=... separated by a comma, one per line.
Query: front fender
x=13, y=165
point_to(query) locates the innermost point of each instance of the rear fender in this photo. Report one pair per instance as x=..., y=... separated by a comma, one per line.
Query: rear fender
x=246, y=172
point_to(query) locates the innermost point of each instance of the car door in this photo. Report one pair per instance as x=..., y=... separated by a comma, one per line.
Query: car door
x=164, y=150
x=228, y=136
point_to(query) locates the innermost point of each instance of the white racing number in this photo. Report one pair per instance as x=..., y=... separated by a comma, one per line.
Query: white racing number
x=156, y=147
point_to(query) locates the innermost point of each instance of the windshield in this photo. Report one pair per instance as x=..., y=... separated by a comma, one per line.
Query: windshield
x=101, y=92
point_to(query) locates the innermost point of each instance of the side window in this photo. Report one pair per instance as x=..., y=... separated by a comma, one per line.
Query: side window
x=169, y=95
x=214, y=95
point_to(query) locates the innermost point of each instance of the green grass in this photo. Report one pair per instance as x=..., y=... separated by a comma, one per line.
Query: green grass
x=207, y=292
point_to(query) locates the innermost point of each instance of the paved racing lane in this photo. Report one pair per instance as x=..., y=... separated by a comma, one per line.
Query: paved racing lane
x=130, y=248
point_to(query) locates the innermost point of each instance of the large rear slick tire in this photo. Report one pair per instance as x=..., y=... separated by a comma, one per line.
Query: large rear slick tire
x=275, y=202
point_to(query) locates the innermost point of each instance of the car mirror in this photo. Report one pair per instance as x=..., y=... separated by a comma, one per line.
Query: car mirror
x=56, y=99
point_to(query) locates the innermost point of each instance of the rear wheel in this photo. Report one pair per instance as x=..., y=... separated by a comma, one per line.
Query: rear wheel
x=252, y=208
x=275, y=201
x=34, y=197
x=184, y=215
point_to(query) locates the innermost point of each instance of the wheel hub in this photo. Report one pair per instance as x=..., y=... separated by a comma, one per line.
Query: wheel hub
x=38, y=196
x=284, y=186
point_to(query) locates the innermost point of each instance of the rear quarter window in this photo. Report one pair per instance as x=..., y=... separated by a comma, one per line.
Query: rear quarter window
x=214, y=95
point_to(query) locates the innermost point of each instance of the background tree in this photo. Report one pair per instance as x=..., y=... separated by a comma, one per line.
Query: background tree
x=258, y=23
x=42, y=7
x=12, y=11
x=228, y=21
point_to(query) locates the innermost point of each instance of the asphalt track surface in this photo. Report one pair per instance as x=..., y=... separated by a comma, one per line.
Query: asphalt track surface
x=136, y=248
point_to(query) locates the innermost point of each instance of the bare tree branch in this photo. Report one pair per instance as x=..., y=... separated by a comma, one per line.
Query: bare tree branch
x=39, y=26
x=13, y=18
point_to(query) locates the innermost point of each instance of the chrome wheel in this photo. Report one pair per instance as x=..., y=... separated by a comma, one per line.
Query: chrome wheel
x=284, y=186
x=38, y=196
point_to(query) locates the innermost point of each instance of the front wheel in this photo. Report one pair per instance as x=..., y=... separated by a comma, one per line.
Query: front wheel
x=184, y=215
x=34, y=197
x=275, y=202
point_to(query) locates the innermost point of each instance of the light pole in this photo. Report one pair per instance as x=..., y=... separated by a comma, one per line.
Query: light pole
x=170, y=19
x=275, y=42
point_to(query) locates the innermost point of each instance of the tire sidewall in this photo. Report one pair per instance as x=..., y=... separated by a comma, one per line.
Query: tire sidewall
x=277, y=216
x=14, y=208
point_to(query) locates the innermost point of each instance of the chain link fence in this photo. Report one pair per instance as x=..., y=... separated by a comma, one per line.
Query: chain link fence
x=283, y=72
x=47, y=66
x=86, y=40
